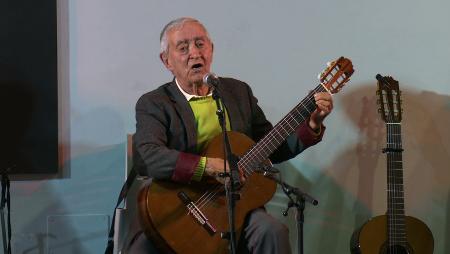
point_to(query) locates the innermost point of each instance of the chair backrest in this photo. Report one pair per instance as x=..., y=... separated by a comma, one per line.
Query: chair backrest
x=129, y=159
x=126, y=215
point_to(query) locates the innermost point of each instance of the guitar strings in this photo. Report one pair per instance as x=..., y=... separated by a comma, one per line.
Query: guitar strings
x=390, y=190
x=395, y=191
x=289, y=118
x=399, y=219
x=209, y=195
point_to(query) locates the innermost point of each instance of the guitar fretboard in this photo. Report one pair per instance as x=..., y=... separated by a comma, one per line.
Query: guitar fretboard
x=287, y=125
x=396, y=206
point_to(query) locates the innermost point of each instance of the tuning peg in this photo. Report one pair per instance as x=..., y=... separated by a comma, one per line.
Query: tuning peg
x=378, y=102
x=328, y=64
x=379, y=110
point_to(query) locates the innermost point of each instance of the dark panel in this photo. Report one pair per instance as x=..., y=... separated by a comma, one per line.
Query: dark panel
x=28, y=86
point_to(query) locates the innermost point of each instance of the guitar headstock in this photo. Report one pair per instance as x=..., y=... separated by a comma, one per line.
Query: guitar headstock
x=337, y=74
x=389, y=99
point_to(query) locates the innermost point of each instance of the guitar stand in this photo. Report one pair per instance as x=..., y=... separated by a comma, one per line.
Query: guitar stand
x=299, y=203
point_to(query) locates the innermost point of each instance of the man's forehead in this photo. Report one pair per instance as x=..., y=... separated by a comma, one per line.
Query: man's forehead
x=188, y=29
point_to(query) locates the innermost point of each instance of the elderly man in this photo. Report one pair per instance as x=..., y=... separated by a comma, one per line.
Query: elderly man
x=177, y=120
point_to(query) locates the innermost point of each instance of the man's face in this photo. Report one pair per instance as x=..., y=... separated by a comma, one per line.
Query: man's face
x=189, y=53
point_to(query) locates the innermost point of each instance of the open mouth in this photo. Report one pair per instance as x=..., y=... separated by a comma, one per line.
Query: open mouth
x=196, y=67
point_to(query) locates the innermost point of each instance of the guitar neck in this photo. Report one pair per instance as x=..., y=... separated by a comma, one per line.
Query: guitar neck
x=395, y=190
x=288, y=124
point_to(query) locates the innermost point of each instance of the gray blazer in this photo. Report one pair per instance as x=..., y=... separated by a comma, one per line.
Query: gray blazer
x=165, y=138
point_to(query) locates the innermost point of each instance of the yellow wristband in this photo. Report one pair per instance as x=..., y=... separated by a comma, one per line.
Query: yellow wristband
x=199, y=170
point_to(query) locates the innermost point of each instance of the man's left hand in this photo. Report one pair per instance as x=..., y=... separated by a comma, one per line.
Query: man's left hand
x=324, y=104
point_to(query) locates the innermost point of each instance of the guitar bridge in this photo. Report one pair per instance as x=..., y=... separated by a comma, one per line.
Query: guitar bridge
x=196, y=213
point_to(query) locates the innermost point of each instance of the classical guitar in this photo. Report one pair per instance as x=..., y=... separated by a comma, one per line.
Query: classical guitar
x=394, y=232
x=189, y=218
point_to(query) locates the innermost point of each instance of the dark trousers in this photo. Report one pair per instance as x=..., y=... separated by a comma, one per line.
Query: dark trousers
x=262, y=234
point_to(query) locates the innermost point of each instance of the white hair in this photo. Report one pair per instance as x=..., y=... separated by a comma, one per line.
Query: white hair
x=176, y=23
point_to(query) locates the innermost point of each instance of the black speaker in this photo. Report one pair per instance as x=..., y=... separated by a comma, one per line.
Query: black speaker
x=28, y=87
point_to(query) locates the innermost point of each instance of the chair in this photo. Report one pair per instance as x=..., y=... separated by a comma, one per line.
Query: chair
x=125, y=215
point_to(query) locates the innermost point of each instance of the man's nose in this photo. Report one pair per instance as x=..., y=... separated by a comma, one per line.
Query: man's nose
x=194, y=51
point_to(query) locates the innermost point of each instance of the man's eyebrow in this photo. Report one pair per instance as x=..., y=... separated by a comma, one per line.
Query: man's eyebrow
x=204, y=38
x=181, y=42
x=200, y=38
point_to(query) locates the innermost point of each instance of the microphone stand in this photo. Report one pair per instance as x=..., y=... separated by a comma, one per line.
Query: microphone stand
x=233, y=184
x=299, y=203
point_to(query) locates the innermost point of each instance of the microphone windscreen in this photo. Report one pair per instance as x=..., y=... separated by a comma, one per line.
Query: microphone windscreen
x=211, y=79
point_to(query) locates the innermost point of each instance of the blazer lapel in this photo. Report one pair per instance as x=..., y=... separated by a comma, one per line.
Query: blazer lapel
x=236, y=121
x=186, y=114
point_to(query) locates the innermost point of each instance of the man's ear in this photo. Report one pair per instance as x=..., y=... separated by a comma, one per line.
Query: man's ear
x=164, y=59
x=212, y=51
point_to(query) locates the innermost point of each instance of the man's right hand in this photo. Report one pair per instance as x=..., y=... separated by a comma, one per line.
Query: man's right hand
x=214, y=166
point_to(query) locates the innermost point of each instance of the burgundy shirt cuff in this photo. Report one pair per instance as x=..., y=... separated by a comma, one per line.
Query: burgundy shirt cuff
x=185, y=167
x=308, y=136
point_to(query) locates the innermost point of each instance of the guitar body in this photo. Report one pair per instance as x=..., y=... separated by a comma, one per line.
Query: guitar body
x=166, y=219
x=373, y=236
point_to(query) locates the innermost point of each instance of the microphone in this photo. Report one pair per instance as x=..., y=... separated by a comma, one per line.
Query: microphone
x=211, y=79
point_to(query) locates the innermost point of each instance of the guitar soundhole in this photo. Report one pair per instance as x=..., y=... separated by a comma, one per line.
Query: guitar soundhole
x=396, y=249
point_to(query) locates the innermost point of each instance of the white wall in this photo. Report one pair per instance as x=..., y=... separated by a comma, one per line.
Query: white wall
x=278, y=47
